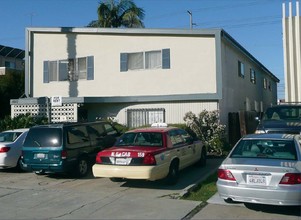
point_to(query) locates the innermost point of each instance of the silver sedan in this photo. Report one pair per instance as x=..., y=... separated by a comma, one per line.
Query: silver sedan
x=263, y=169
x=11, y=147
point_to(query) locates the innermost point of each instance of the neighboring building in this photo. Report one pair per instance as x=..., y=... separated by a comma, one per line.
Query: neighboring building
x=292, y=53
x=11, y=59
x=140, y=76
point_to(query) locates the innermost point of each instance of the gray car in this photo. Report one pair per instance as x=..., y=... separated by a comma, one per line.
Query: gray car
x=263, y=169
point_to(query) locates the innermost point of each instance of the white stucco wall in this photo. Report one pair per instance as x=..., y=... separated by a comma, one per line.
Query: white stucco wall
x=174, y=111
x=193, y=64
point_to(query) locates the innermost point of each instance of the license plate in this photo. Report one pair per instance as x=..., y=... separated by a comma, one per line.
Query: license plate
x=123, y=161
x=40, y=156
x=257, y=180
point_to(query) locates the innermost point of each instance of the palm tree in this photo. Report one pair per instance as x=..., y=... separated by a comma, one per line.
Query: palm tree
x=122, y=13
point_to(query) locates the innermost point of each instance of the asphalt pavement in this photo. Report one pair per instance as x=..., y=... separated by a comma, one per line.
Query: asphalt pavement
x=30, y=196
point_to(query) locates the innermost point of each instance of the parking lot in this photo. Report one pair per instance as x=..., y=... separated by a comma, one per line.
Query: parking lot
x=31, y=196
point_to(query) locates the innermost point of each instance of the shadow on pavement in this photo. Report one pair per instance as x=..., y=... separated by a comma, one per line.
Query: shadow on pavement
x=188, y=177
x=284, y=210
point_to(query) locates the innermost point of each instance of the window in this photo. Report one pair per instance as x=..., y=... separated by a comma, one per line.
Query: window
x=155, y=59
x=141, y=117
x=264, y=83
x=241, y=69
x=135, y=61
x=270, y=86
x=176, y=138
x=252, y=76
x=72, y=69
x=9, y=64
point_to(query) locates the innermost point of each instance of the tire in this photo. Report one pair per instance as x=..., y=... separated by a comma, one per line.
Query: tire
x=82, y=168
x=203, y=159
x=173, y=174
x=19, y=166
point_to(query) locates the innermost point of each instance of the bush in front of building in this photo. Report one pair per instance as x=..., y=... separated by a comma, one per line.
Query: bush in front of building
x=21, y=121
x=207, y=128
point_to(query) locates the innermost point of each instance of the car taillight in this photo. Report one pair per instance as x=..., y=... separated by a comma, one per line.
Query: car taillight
x=64, y=154
x=225, y=175
x=98, y=159
x=4, y=149
x=291, y=179
x=149, y=159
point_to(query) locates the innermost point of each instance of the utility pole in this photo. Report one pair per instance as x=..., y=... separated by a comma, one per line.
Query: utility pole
x=190, y=15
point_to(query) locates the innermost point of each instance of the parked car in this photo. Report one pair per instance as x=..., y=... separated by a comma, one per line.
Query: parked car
x=263, y=168
x=282, y=118
x=150, y=154
x=11, y=147
x=66, y=147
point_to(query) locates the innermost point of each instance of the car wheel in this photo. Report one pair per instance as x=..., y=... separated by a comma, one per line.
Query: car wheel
x=19, y=166
x=173, y=174
x=203, y=159
x=82, y=167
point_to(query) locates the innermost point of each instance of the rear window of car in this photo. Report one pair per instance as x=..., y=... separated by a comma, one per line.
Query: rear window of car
x=290, y=113
x=140, y=139
x=43, y=137
x=9, y=136
x=272, y=149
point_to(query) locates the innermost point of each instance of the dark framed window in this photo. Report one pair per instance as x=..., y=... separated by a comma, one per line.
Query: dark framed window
x=265, y=83
x=241, y=69
x=252, y=76
x=155, y=59
x=270, y=86
x=141, y=117
x=72, y=69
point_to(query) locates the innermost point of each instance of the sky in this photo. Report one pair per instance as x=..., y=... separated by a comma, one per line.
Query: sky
x=255, y=24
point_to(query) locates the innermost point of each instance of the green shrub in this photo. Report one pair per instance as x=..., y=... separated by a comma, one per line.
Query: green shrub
x=21, y=121
x=207, y=128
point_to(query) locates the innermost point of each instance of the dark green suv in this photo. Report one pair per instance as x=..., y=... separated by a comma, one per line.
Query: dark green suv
x=66, y=148
x=282, y=118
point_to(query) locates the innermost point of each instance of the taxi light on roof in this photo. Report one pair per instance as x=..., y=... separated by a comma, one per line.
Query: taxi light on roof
x=160, y=124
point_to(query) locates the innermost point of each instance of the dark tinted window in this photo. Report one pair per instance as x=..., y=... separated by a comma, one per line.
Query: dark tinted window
x=77, y=134
x=273, y=149
x=43, y=137
x=109, y=129
x=283, y=113
x=140, y=139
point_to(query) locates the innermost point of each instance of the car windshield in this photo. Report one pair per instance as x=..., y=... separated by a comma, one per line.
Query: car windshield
x=288, y=113
x=274, y=149
x=140, y=139
x=44, y=137
x=9, y=136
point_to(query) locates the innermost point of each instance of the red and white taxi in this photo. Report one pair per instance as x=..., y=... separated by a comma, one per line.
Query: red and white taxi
x=151, y=154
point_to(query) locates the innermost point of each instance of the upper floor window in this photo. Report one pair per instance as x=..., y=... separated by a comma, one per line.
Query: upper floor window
x=72, y=69
x=252, y=76
x=265, y=83
x=156, y=59
x=241, y=69
x=270, y=85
